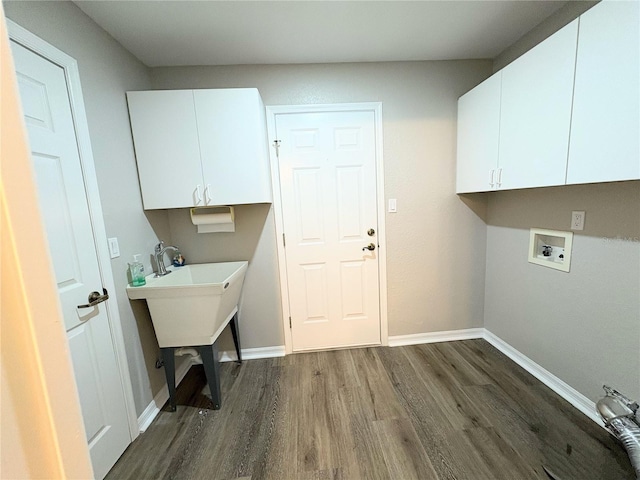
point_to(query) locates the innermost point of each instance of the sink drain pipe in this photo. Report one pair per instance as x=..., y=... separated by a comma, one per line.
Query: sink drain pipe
x=195, y=356
x=622, y=418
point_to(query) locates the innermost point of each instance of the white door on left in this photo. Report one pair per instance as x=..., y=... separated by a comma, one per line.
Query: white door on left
x=63, y=203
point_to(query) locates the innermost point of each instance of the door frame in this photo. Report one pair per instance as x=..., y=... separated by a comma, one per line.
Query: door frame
x=376, y=109
x=70, y=68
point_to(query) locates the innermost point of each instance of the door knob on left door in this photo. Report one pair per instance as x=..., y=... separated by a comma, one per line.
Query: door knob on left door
x=370, y=247
x=95, y=298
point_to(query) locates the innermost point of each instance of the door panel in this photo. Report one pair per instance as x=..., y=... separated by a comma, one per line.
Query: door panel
x=353, y=289
x=328, y=185
x=316, y=301
x=350, y=203
x=67, y=223
x=307, y=197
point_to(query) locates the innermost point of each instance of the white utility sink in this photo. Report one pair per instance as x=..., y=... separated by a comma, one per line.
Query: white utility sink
x=193, y=304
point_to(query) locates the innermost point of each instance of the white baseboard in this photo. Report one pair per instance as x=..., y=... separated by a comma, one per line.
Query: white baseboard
x=567, y=392
x=152, y=410
x=435, y=337
x=253, y=353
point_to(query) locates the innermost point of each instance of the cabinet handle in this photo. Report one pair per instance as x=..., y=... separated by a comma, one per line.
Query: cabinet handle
x=499, y=183
x=207, y=194
x=491, y=175
x=198, y=195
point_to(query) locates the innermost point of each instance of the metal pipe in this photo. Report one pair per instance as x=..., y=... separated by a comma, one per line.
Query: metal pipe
x=196, y=358
x=620, y=416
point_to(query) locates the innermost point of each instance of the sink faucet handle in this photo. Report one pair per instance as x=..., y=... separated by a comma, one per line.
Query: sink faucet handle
x=159, y=246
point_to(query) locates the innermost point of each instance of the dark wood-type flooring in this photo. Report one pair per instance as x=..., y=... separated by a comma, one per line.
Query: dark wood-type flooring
x=458, y=410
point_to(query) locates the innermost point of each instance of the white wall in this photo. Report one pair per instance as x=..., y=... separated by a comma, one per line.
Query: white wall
x=435, y=243
x=106, y=72
x=582, y=326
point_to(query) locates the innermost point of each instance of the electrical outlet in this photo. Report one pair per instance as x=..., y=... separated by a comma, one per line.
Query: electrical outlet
x=114, y=248
x=577, y=220
x=393, y=207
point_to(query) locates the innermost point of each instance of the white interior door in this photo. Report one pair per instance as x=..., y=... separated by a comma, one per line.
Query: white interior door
x=63, y=202
x=327, y=163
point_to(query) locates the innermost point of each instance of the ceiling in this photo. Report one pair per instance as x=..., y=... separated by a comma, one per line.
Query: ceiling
x=178, y=33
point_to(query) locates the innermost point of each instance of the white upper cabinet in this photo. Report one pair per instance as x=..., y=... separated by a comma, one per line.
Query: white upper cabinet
x=605, y=142
x=568, y=109
x=165, y=135
x=513, y=129
x=197, y=148
x=233, y=146
x=478, y=135
x=536, y=113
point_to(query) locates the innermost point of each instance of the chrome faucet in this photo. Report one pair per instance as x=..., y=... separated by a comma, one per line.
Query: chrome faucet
x=159, y=254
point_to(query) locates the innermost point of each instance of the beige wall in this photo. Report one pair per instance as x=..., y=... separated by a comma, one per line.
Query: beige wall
x=106, y=72
x=435, y=243
x=582, y=326
x=42, y=431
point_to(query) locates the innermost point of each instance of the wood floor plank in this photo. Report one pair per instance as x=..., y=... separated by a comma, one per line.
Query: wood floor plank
x=280, y=457
x=239, y=438
x=368, y=451
x=427, y=418
x=459, y=410
x=484, y=450
x=374, y=392
x=457, y=366
x=403, y=452
x=327, y=417
x=332, y=474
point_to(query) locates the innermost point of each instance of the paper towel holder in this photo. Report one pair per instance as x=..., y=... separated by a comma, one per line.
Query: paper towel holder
x=219, y=219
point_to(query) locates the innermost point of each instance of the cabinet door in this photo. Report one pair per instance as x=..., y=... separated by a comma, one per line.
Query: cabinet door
x=233, y=145
x=537, y=90
x=478, y=134
x=165, y=135
x=604, y=142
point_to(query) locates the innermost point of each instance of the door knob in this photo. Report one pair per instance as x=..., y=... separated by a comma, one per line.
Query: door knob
x=95, y=298
x=370, y=247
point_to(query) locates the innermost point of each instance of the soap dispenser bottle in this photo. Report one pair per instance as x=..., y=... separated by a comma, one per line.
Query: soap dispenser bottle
x=137, y=272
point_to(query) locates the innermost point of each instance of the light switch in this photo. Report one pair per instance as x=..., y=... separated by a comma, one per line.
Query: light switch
x=392, y=205
x=114, y=248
